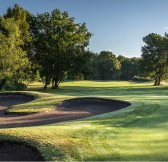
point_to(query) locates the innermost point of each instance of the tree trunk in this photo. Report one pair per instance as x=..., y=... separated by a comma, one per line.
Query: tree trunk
x=47, y=82
x=45, y=85
x=157, y=80
x=155, y=83
x=55, y=84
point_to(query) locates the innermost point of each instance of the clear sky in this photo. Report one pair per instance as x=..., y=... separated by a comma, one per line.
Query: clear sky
x=117, y=25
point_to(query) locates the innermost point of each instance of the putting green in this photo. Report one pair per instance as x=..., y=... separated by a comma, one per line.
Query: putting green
x=138, y=132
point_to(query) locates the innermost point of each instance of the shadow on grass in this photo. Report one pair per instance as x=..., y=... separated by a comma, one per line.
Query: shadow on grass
x=144, y=116
x=107, y=91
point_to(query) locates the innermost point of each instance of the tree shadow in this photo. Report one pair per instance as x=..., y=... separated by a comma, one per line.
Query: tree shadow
x=108, y=91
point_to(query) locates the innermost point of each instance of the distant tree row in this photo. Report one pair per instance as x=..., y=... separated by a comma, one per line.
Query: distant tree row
x=152, y=65
x=51, y=47
x=106, y=66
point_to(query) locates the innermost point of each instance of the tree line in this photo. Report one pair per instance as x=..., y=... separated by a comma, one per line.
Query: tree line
x=52, y=47
x=106, y=66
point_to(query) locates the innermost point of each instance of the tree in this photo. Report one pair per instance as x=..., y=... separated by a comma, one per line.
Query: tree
x=108, y=66
x=129, y=67
x=154, y=57
x=58, y=42
x=83, y=68
x=89, y=70
x=12, y=56
x=22, y=18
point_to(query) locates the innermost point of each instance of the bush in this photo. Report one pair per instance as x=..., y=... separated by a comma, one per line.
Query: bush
x=20, y=86
x=140, y=79
x=9, y=86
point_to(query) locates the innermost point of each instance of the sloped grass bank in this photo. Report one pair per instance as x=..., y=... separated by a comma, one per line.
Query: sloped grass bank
x=41, y=102
x=136, y=133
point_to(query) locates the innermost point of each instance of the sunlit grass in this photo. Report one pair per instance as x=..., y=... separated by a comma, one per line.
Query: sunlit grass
x=139, y=132
x=43, y=102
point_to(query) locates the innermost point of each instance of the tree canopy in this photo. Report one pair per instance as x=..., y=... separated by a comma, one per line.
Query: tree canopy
x=22, y=18
x=12, y=56
x=52, y=46
x=108, y=65
x=58, y=42
x=154, y=56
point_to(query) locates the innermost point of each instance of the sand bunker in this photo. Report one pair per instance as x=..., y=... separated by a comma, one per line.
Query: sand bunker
x=18, y=152
x=94, y=105
x=67, y=110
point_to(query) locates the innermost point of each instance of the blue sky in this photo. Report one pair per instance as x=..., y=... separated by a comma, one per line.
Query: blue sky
x=117, y=25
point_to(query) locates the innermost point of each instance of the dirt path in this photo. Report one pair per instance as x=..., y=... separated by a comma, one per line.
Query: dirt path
x=67, y=110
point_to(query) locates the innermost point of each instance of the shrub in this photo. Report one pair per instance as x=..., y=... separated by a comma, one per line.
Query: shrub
x=10, y=86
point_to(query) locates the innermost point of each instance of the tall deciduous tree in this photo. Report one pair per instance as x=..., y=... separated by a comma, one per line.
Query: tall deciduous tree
x=22, y=17
x=58, y=42
x=12, y=56
x=154, y=56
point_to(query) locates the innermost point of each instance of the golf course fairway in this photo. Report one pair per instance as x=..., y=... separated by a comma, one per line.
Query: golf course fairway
x=138, y=132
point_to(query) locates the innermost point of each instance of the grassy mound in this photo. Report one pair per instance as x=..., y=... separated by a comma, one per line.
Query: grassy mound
x=42, y=102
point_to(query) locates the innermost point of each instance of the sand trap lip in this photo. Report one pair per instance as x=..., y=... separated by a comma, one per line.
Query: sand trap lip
x=12, y=151
x=15, y=99
x=67, y=110
x=9, y=99
x=94, y=105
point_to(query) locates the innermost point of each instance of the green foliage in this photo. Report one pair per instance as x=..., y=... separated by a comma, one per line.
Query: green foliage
x=83, y=68
x=21, y=17
x=54, y=46
x=105, y=66
x=12, y=56
x=129, y=67
x=154, y=57
x=14, y=86
x=59, y=42
x=108, y=66
x=14, y=28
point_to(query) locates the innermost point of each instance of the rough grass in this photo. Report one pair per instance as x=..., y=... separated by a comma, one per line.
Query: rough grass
x=136, y=133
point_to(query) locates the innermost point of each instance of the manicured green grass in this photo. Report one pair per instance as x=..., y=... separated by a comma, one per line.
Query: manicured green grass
x=139, y=132
x=43, y=102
